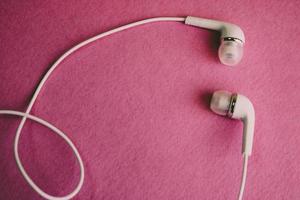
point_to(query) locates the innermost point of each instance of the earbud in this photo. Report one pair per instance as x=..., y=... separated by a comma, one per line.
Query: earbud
x=232, y=38
x=236, y=106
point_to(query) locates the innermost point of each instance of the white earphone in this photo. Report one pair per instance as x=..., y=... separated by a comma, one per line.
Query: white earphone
x=224, y=103
x=232, y=38
x=237, y=106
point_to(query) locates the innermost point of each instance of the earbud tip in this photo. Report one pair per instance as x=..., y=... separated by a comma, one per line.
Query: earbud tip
x=220, y=102
x=230, y=52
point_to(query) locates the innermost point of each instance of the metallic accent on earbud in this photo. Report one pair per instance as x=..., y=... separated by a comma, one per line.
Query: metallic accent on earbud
x=232, y=105
x=232, y=39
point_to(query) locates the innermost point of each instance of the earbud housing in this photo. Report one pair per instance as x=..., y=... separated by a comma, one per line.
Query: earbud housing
x=231, y=42
x=236, y=106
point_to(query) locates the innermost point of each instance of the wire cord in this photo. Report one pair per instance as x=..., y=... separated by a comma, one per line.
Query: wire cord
x=25, y=115
x=244, y=175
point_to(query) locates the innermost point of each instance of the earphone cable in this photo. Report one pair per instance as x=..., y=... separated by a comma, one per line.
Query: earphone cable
x=25, y=115
x=244, y=175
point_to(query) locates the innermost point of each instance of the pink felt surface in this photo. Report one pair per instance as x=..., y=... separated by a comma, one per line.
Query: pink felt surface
x=136, y=103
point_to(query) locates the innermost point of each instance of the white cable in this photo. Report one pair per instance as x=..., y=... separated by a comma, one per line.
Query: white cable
x=26, y=114
x=66, y=139
x=244, y=175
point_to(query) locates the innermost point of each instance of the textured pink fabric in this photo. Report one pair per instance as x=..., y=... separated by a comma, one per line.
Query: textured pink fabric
x=136, y=104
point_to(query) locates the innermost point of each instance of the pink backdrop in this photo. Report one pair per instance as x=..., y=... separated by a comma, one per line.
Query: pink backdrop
x=136, y=104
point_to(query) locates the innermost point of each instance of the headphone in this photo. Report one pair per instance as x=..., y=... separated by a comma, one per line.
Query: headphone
x=232, y=105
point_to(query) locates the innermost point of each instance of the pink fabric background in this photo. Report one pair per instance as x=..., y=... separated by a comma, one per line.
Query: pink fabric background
x=136, y=104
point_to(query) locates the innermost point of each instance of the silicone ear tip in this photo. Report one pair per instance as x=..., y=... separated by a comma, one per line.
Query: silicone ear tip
x=230, y=52
x=220, y=102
